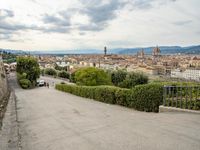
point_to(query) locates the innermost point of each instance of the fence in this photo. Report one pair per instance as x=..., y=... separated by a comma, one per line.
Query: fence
x=186, y=97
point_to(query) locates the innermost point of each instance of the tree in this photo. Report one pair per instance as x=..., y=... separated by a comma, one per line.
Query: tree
x=118, y=76
x=92, y=77
x=63, y=74
x=132, y=79
x=28, y=66
x=50, y=71
x=60, y=68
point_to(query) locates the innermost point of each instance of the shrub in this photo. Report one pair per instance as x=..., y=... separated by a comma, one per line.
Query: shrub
x=50, y=71
x=25, y=83
x=91, y=77
x=132, y=79
x=121, y=96
x=143, y=97
x=72, y=77
x=63, y=74
x=118, y=76
x=146, y=97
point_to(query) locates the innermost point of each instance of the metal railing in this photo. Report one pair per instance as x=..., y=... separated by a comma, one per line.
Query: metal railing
x=186, y=97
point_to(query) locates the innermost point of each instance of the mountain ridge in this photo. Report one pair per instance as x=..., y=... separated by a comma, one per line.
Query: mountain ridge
x=127, y=51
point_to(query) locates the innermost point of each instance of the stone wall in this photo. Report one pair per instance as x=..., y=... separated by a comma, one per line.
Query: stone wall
x=3, y=80
x=4, y=92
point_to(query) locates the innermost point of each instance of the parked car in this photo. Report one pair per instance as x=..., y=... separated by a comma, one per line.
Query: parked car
x=41, y=83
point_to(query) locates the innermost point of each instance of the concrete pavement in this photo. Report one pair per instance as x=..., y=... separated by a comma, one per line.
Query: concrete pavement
x=53, y=120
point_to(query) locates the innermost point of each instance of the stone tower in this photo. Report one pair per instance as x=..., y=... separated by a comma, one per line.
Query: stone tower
x=105, y=50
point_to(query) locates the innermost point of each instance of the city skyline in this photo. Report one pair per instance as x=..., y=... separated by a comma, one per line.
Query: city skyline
x=78, y=24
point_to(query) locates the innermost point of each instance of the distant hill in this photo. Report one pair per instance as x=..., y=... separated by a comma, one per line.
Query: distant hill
x=164, y=50
x=128, y=51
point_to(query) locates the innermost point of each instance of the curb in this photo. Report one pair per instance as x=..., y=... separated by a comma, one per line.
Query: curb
x=174, y=109
x=9, y=135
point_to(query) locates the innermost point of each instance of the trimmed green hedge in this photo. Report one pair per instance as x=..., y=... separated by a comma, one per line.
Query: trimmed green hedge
x=143, y=97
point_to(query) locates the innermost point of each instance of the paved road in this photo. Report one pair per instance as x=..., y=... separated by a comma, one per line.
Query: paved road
x=53, y=120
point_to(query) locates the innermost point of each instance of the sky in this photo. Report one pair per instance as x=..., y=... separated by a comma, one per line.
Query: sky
x=93, y=24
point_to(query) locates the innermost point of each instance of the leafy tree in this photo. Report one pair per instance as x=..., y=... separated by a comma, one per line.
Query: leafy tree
x=118, y=77
x=60, y=68
x=28, y=67
x=132, y=79
x=50, y=71
x=63, y=74
x=92, y=76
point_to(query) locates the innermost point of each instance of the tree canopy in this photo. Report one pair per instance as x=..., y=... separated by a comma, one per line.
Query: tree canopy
x=29, y=66
x=92, y=76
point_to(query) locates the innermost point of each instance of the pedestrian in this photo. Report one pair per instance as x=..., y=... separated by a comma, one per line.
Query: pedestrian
x=47, y=84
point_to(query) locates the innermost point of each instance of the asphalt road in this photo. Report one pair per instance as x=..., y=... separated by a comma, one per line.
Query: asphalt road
x=53, y=120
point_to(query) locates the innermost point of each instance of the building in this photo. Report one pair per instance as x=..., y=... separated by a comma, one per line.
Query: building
x=188, y=74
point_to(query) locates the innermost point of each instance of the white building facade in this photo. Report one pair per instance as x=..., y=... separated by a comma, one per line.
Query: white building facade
x=188, y=74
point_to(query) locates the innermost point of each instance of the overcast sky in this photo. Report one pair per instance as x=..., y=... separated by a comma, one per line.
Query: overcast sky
x=93, y=24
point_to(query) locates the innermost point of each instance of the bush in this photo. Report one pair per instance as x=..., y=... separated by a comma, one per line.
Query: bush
x=146, y=97
x=143, y=97
x=121, y=96
x=50, y=71
x=72, y=77
x=132, y=79
x=25, y=83
x=63, y=74
x=91, y=77
x=118, y=76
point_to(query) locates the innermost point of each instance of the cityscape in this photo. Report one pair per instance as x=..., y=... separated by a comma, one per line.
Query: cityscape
x=99, y=75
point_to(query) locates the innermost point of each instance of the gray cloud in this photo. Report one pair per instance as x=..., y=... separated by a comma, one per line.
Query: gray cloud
x=182, y=23
x=100, y=14
x=142, y=4
x=58, y=21
x=9, y=29
x=5, y=13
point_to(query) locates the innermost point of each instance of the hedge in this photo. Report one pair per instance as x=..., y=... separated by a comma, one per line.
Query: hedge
x=143, y=97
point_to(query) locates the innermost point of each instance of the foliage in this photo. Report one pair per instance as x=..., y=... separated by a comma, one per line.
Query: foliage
x=8, y=57
x=92, y=76
x=42, y=72
x=60, y=68
x=118, y=76
x=21, y=76
x=184, y=104
x=25, y=83
x=142, y=97
x=125, y=79
x=27, y=68
x=146, y=97
x=63, y=74
x=132, y=79
x=50, y=71
x=72, y=77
